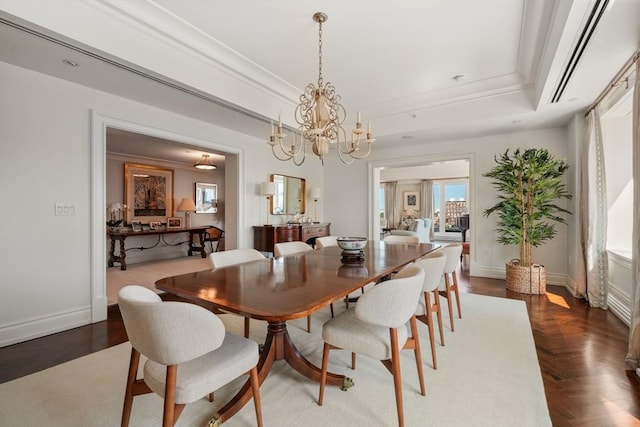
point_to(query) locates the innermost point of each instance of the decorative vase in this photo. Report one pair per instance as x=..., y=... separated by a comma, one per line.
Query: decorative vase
x=526, y=280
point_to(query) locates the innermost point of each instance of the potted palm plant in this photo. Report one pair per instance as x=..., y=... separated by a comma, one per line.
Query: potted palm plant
x=529, y=184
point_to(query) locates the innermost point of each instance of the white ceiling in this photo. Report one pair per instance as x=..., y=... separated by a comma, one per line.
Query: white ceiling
x=241, y=63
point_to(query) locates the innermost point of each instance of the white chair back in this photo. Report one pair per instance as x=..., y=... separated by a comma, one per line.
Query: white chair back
x=401, y=239
x=289, y=248
x=452, y=251
x=392, y=303
x=233, y=257
x=325, y=241
x=433, y=266
x=164, y=331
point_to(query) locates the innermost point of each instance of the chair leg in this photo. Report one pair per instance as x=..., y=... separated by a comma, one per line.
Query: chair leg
x=309, y=324
x=454, y=288
x=418, y=353
x=437, y=307
x=432, y=337
x=331, y=307
x=397, y=374
x=128, y=394
x=323, y=375
x=447, y=295
x=169, y=396
x=353, y=361
x=255, y=387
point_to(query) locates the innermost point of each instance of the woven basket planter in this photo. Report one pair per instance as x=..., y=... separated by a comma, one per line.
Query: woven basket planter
x=526, y=280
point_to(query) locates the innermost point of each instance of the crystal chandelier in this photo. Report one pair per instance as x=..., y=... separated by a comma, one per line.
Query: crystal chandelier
x=320, y=116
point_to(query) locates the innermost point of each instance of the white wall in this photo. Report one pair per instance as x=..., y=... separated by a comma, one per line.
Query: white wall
x=348, y=194
x=45, y=273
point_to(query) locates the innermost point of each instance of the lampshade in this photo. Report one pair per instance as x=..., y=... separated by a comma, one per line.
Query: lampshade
x=186, y=205
x=267, y=188
x=316, y=193
x=204, y=163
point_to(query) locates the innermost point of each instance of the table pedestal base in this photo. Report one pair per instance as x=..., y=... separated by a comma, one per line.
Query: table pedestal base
x=278, y=346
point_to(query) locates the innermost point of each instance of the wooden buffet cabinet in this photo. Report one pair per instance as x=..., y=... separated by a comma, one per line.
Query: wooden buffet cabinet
x=265, y=236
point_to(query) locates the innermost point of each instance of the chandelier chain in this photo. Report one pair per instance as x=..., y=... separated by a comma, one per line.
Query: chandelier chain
x=320, y=80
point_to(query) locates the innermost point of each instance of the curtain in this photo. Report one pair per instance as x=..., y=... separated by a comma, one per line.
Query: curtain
x=390, y=204
x=592, y=216
x=633, y=354
x=426, y=190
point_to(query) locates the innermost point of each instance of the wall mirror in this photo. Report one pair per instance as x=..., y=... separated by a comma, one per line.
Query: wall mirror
x=206, y=198
x=289, y=197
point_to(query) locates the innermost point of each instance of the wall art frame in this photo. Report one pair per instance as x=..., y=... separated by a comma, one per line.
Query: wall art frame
x=148, y=192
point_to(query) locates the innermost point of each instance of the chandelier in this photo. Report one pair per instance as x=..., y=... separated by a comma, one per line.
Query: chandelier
x=320, y=116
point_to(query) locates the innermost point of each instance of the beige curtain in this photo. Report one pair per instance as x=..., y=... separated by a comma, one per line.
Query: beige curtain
x=592, y=215
x=390, y=206
x=426, y=204
x=633, y=354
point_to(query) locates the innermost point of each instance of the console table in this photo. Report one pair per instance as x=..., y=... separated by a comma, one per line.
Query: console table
x=122, y=235
x=266, y=236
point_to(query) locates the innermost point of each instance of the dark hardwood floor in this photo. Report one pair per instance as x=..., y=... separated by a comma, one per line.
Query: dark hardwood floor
x=581, y=353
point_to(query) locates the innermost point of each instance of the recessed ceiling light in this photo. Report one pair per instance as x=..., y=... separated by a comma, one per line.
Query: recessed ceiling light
x=459, y=77
x=407, y=137
x=70, y=62
x=516, y=122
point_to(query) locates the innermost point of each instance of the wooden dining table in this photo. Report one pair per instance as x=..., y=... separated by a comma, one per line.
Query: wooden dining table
x=280, y=289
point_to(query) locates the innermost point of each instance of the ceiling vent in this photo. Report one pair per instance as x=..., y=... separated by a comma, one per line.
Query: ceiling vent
x=587, y=32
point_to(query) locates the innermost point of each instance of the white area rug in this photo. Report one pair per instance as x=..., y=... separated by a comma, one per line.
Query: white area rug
x=488, y=376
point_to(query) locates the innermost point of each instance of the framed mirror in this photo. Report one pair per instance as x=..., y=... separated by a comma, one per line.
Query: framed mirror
x=290, y=195
x=206, y=198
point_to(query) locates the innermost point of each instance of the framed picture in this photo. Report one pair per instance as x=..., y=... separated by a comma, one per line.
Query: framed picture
x=155, y=225
x=206, y=198
x=148, y=191
x=174, y=223
x=136, y=225
x=411, y=200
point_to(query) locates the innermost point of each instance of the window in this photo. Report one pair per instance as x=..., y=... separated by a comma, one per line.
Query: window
x=449, y=203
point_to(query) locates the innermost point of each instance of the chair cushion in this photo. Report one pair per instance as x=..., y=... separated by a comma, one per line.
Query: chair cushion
x=348, y=332
x=207, y=373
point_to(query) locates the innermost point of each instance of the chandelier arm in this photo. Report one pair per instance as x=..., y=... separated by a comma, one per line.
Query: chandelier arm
x=288, y=153
x=364, y=155
x=273, y=150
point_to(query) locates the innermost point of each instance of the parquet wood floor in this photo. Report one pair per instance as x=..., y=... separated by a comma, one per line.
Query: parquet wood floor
x=581, y=353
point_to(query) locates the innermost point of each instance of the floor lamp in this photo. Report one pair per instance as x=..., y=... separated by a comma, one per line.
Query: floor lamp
x=268, y=189
x=316, y=193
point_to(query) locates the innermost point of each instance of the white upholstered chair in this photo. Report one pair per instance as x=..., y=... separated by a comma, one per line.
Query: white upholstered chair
x=377, y=328
x=291, y=248
x=234, y=257
x=452, y=251
x=392, y=238
x=189, y=353
x=323, y=242
x=433, y=266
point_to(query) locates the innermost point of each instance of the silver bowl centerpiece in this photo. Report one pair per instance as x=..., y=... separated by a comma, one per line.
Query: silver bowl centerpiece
x=352, y=249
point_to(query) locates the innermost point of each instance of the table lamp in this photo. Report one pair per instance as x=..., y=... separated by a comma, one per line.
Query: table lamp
x=268, y=189
x=187, y=206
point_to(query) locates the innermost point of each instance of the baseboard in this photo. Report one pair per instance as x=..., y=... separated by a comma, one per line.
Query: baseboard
x=500, y=273
x=619, y=304
x=36, y=328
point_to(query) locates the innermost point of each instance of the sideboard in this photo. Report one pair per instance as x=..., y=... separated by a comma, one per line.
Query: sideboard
x=266, y=236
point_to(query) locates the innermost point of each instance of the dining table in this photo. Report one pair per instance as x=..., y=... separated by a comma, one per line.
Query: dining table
x=280, y=289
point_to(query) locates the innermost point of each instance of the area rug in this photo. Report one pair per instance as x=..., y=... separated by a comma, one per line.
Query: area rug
x=488, y=375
